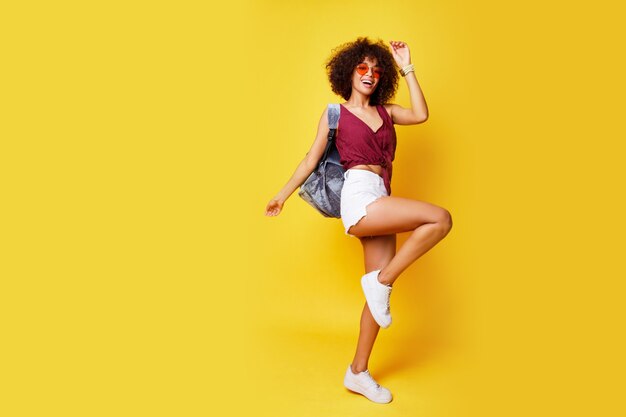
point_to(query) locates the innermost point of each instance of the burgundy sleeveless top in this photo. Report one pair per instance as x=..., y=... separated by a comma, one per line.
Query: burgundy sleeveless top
x=358, y=144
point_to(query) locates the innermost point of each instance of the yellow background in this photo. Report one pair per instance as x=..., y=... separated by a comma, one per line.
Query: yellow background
x=141, y=141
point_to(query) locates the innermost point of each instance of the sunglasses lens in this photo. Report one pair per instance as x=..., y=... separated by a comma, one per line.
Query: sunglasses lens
x=378, y=72
x=362, y=69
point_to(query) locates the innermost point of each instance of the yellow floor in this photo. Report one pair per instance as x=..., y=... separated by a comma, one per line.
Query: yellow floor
x=304, y=364
x=302, y=354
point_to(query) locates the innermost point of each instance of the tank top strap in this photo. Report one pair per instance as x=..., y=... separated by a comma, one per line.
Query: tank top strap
x=385, y=116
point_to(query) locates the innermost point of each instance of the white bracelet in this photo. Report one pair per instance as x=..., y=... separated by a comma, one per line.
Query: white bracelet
x=405, y=70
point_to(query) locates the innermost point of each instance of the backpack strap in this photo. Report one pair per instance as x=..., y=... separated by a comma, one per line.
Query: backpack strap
x=333, y=122
x=333, y=115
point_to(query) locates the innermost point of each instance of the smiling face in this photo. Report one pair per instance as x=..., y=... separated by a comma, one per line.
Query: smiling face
x=365, y=80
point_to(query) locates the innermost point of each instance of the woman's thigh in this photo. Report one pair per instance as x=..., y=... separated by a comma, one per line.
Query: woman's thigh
x=378, y=251
x=389, y=215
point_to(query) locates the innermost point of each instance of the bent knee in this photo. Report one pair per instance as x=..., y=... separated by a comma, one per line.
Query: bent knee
x=444, y=221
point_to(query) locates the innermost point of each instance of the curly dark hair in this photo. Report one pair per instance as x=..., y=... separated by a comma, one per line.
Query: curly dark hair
x=344, y=58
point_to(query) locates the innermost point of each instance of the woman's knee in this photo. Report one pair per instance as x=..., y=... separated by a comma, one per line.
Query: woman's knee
x=444, y=221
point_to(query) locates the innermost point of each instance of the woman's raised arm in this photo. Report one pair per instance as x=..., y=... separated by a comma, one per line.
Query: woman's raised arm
x=418, y=113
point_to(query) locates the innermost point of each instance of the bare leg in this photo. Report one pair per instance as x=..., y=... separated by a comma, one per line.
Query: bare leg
x=427, y=222
x=377, y=252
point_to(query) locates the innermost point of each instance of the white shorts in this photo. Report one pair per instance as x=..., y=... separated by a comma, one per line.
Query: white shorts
x=360, y=188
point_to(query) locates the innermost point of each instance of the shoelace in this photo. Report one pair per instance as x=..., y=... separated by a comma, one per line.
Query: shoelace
x=389, y=300
x=371, y=380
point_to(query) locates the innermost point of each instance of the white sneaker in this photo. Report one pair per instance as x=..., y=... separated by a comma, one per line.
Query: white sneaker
x=377, y=296
x=364, y=384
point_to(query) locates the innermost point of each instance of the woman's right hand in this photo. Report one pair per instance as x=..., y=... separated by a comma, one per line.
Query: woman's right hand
x=274, y=207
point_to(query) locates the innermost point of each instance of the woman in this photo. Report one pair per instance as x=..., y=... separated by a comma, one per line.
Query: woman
x=365, y=74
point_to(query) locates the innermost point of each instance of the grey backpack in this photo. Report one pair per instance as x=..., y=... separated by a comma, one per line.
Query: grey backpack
x=322, y=189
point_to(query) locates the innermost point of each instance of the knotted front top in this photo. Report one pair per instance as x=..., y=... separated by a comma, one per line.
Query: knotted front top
x=358, y=144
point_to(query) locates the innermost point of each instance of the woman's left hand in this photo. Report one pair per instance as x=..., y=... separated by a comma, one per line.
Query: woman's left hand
x=401, y=53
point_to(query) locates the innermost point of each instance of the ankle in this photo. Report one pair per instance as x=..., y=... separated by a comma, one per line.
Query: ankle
x=384, y=279
x=358, y=369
